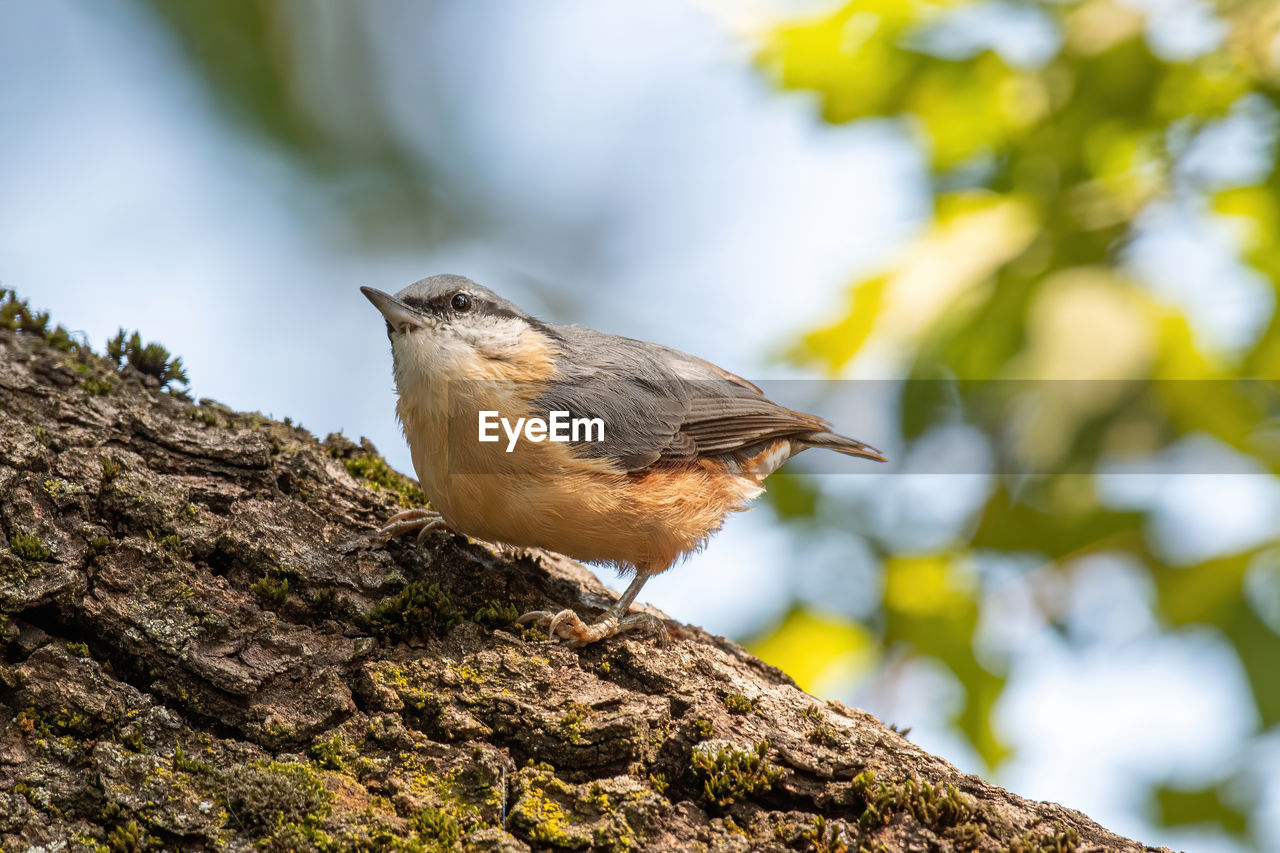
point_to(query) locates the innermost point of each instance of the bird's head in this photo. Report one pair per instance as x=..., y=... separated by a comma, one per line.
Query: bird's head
x=447, y=327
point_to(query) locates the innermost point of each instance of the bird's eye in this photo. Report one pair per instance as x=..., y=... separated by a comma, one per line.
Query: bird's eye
x=461, y=302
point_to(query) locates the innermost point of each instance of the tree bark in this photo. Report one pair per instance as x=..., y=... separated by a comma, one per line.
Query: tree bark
x=207, y=647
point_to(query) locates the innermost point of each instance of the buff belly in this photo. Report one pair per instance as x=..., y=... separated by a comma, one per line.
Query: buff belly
x=542, y=495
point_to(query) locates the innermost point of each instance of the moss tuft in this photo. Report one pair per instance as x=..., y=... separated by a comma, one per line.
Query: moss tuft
x=571, y=723
x=173, y=544
x=730, y=773
x=29, y=547
x=10, y=309
x=935, y=806
x=324, y=601
x=131, y=838
x=264, y=797
x=60, y=339
x=204, y=415
x=364, y=463
x=824, y=734
x=190, y=765
x=826, y=836
x=736, y=703
x=419, y=607
x=16, y=315
x=436, y=826
x=496, y=614
x=332, y=754
x=272, y=589
x=149, y=359
x=1055, y=839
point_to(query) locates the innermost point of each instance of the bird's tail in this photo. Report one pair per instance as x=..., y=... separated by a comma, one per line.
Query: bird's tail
x=842, y=444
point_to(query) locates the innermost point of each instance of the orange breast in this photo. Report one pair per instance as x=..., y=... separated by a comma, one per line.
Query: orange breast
x=645, y=521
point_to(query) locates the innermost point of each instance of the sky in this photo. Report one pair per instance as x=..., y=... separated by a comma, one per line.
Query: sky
x=622, y=166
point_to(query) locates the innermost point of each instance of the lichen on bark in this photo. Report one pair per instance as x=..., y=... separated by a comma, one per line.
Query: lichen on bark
x=206, y=647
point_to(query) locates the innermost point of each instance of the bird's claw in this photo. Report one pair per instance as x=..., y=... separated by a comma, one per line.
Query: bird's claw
x=567, y=625
x=423, y=521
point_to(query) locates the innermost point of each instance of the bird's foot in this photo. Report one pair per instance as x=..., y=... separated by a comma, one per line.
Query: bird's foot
x=567, y=625
x=422, y=521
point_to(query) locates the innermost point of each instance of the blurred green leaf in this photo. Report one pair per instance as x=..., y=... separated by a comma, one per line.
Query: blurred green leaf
x=1177, y=807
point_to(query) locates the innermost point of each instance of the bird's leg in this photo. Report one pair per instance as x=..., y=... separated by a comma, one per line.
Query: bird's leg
x=567, y=625
x=422, y=521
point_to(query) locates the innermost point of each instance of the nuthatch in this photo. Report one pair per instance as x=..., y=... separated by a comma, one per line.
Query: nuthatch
x=684, y=442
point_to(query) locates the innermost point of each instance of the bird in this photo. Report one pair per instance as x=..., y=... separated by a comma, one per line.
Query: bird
x=623, y=453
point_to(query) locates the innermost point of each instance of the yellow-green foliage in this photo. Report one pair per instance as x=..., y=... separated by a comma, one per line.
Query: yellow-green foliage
x=1036, y=174
x=52, y=722
x=11, y=309
x=730, y=773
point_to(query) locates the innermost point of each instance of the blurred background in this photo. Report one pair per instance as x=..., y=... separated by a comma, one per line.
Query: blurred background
x=1070, y=587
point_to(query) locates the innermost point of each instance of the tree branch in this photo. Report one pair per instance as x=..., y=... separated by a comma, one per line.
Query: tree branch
x=206, y=648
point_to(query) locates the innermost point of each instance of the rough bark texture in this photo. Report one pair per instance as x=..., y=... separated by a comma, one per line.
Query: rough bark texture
x=206, y=647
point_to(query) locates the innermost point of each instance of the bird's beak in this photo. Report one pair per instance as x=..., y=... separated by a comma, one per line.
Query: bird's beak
x=397, y=313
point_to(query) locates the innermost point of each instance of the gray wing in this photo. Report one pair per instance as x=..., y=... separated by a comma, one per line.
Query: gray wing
x=660, y=405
